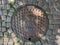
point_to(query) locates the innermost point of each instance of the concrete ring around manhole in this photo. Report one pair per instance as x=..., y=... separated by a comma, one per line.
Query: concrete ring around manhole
x=29, y=22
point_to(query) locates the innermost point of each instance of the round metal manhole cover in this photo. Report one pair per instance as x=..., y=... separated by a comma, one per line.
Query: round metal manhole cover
x=29, y=22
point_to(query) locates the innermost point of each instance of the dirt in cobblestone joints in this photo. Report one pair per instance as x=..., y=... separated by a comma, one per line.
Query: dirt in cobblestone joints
x=53, y=9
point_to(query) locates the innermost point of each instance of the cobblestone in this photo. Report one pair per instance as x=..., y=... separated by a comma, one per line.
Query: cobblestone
x=51, y=26
x=3, y=24
x=3, y=17
x=50, y=21
x=38, y=43
x=5, y=41
x=56, y=16
x=3, y=29
x=50, y=17
x=10, y=42
x=0, y=28
x=1, y=41
x=4, y=12
x=57, y=21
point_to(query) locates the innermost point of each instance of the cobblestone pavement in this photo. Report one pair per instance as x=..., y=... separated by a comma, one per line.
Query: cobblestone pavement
x=52, y=8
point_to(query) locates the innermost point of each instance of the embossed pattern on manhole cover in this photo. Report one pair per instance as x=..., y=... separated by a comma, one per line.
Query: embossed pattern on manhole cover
x=29, y=22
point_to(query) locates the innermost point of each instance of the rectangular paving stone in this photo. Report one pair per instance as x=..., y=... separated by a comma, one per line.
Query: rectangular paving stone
x=3, y=29
x=0, y=12
x=5, y=34
x=55, y=31
x=12, y=10
x=10, y=42
x=5, y=41
x=3, y=17
x=8, y=6
x=10, y=30
x=10, y=14
x=0, y=2
x=4, y=12
x=50, y=21
x=8, y=19
x=56, y=26
x=0, y=6
x=38, y=43
x=51, y=26
x=0, y=24
x=0, y=29
x=8, y=25
x=59, y=30
x=56, y=16
x=49, y=32
x=57, y=21
x=45, y=44
x=1, y=41
x=3, y=24
x=4, y=7
x=1, y=34
x=5, y=1
x=30, y=44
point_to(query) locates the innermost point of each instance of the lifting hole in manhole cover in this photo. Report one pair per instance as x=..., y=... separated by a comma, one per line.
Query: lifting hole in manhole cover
x=29, y=22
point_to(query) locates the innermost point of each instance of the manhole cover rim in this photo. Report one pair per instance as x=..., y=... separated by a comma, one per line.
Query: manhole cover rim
x=36, y=7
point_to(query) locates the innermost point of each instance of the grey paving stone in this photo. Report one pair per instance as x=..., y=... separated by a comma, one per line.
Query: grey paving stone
x=0, y=2
x=1, y=41
x=56, y=16
x=4, y=7
x=49, y=32
x=50, y=21
x=12, y=10
x=16, y=5
x=52, y=42
x=10, y=31
x=55, y=32
x=59, y=30
x=54, y=21
x=1, y=34
x=38, y=43
x=0, y=12
x=50, y=17
x=3, y=29
x=4, y=12
x=3, y=17
x=8, y=25
x=57, y=21
x=0, y=29
x=57, y=26
x=0, y=24
x=0, y=6
x=45, y=44
x=51, y=26
x=5, y=34
x=10, y=14
x=3, y=24
x=8, y=6
x=8, y=19
x=29, y=43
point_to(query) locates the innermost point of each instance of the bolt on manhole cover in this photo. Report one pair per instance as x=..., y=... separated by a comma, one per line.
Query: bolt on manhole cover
x=29, y=22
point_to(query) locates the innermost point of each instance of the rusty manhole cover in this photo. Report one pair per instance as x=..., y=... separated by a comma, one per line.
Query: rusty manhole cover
x=29, y=22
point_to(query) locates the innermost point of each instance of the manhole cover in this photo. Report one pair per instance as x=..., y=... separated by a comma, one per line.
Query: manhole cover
x=29, y=22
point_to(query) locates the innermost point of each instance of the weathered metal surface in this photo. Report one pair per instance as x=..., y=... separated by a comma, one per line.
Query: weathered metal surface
x=29, y=22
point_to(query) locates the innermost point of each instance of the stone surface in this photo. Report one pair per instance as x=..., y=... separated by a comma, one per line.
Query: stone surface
x=52, y=8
